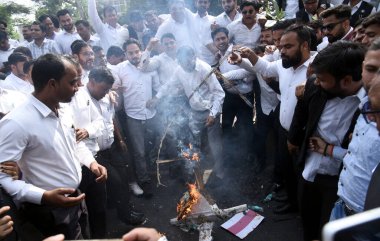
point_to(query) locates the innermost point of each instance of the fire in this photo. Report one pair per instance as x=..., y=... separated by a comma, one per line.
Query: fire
x=187, y=202
x=190, y=154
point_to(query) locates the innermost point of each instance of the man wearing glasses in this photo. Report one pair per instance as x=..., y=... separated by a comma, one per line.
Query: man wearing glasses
x=246, y=31
x=336, y=23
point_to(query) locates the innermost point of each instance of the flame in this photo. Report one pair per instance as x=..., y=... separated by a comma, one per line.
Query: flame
x=189, y=154
x=187, y=202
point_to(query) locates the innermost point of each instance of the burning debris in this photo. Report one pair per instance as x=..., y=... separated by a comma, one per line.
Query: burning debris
x=189, y=199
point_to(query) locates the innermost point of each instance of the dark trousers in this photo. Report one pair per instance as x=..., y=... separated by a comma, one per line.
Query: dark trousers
x=286, y=163
x=316, y=202
x=53, y=220
x=238, y=135
x=117, y=182
x=96, y=203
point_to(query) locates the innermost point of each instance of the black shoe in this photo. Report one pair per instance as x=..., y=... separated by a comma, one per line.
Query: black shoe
x=284, y=209
x=133, y=218
x=148, y=190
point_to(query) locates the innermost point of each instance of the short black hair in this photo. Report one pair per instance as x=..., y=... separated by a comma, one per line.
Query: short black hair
x=3, y=35
x=27, y=66
x=340, y=12
x=167, y=35
x=255, y=5
x=260, y=48
x=219, y=30
x=41, y=25
x=15, y=58
x=131, y=41
x=63, y=12
x=101, y=75
x=302, y=31
x=43, y=17
x=115, y=51
x=371, y=20
x=4, y=23
x=55, y=21
x=340, y=59
x=24, y=50
x=283, y=24
x=96, y=48
x=83, y=22
x=108, y=8
x=77, y=46
x=47, y=67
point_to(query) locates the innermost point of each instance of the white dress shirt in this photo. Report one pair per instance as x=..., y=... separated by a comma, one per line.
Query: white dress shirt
x=137, y=88
x=47, y=46
x=5, y=54
x=107, y=109
x=355, y=8
x=291, y=9
x=239, y=77
x=288, y=79
x=203, y=32
x=108, y=35
x=10, y=99
x=332, y=127
x=86, y=116
x=64, y=40
x=268, y=97
x=12, y=82
x=210, y=95
x=94, y=41
x=183, y=32
x=163, y=64
x=241, y=35
x=223, y=19
x=43, y=145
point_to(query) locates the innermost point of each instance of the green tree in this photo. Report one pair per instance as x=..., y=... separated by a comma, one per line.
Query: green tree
x=7, y=10
x=78, y=8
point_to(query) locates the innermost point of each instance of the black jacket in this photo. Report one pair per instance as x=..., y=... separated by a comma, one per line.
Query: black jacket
x=364, y=10
x=306, y=117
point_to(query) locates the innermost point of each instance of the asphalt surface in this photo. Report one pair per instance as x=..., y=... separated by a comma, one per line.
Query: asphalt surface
x=243, y=185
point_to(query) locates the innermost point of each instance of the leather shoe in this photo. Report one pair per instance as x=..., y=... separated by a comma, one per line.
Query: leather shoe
x=133, y=218
x=284, y=209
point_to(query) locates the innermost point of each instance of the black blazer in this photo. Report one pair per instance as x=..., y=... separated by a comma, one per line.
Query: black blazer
x=306, y=117
x=364, y=10
x=373, y=194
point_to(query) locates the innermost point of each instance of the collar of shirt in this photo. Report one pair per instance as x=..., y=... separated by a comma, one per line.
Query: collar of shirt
x=118, y=26
x=347, y=34
x=41, y=107
x=69, y=33
x=237, y=16
x=355, y=8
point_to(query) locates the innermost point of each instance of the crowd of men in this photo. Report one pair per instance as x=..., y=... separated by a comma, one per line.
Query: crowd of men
x=85, y=113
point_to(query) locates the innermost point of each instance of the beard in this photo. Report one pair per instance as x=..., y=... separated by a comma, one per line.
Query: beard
x=288, y=62
x=339, y=35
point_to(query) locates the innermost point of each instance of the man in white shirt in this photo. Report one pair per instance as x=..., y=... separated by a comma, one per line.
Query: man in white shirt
x=205, y=101
x=229, y=15
x=51, y=169
x=69, y=34
x=17, y=79
x=47, y=21
x=239, y=82
x=84, y=30
x=27, y=35
x=291, y=71
x=180, y=24
x=246, y=31
x=40, y=44
x=83, y=53
x=137, y=88
x=109, y=31
x=10, y=99
x=202, y=26
x=5, y=48
x=100, y=82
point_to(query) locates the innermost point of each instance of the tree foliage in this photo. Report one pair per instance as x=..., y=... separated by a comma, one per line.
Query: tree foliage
x=7, y=10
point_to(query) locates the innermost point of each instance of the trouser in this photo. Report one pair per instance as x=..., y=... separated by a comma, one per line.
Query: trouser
x=96, y=202
x=117, y=183
x=197, y=125
x=340, y=210
x=54, y=220
x=286, y=163
x=234, y=106
x=264, y=124
x=139, y=132
x=316, y=202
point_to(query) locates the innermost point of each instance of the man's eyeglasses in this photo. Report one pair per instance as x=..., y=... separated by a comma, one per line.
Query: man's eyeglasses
x=331, y=26
x=248, y=12
x=368, y=113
